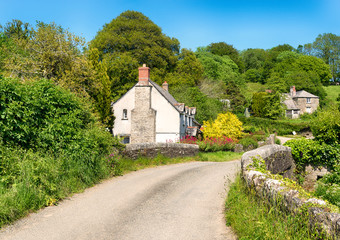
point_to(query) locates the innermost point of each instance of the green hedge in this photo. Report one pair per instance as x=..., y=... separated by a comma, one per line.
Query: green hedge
x=307, y=151
x=281, y=127
x=50, y=146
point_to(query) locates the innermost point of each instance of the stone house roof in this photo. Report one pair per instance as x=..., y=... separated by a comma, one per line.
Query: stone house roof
x=304, y=94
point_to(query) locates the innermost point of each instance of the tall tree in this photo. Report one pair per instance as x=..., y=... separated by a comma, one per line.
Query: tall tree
x=133, y=35
x=327, y=47
x=224, y=49
x=217, y=67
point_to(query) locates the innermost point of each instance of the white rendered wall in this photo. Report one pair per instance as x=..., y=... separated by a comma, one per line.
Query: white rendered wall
x=167, y=118
x=167, y=137
x=123, y=127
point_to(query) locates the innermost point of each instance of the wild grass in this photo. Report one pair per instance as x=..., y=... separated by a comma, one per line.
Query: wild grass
x=220, y=156
x=332, y=92
x=253, y=219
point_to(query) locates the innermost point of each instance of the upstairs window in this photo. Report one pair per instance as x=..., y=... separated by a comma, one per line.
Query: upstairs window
x=125, y=114
x=308, y=100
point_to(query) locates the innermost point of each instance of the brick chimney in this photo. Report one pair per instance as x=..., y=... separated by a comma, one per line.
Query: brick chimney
x=165, y=86
x=144, y=75
x=292, y=91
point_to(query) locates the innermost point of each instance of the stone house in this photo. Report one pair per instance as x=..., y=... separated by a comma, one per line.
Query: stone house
x=300, y=102
x=149, y=113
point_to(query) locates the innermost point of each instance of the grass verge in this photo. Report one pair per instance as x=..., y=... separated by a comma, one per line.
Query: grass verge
x=253, y=219
x=219, y=156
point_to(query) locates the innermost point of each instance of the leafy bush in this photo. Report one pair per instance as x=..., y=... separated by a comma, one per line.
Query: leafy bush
x=40, y=114
x=246, y=142
x=307, y=151
x=281, y=127
x=328, y=187
x=50, y=146
x=225, y=125
x=326, y=126
x=216, y=144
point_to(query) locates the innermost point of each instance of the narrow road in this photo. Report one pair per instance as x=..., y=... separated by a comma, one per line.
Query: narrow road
x=182, y=201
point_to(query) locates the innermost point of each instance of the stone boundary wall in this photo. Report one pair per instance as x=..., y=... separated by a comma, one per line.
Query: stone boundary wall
x=275, y=191
x=151, y=150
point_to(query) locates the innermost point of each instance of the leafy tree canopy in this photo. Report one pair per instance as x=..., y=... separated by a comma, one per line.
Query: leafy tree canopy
x=224, y=49
x=135, y=36
x=217, y=67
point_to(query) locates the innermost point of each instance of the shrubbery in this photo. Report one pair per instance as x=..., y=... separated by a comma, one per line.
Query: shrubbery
x=326, y=126
x=328, y=187
x=50, y=146
x=225, y=125
x=210, y=144
x=307, y=151
x=281, y=127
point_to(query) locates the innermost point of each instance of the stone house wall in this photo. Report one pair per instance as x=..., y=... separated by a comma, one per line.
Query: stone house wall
x=302, y=104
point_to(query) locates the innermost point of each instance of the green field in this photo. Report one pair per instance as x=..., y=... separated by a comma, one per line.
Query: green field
x=332, y=92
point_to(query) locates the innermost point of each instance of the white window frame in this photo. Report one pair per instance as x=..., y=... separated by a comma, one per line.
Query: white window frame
x=124, y=117
x=308, y=109
x=309, y=100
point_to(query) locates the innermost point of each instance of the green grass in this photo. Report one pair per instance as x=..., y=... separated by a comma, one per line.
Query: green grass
x=219, y=156
x=332, y=92
x=252, y=88
x=253, y=219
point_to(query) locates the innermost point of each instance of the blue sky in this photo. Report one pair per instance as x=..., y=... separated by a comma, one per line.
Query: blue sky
x=242, y=23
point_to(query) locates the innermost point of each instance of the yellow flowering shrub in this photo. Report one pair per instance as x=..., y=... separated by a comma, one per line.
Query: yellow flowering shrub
x=225, y=125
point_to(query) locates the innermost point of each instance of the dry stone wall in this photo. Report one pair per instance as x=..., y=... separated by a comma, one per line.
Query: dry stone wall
x=151, y=150
x=279, y=159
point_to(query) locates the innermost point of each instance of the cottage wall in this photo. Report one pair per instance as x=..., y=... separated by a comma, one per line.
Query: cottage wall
x=123, y=126
x=167, y=118
x=302, y=104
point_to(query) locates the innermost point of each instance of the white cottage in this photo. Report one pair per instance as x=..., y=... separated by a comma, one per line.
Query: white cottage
x=148, y=113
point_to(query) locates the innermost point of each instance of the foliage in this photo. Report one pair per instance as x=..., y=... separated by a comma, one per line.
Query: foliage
x=307, y=151
x=252, y=218
x=225, y=125
x=207, y=107
x=326, y=47
x=326, y=125
x=134, y=36
x=268, y=105
x=219, y=156
x=188, y=70
x=217, y=67
x=247, y=141
x=328, y=187
x=281, y=127
x=48, y=52
x=253, y=58
x=224, y=49
x=40, y=114
x=216, y=144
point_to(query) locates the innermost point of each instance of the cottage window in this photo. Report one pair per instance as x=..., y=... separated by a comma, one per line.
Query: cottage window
x=125, y=114
x=126, y=140
x=296, y=111
x=308, y=109
x=308, y=100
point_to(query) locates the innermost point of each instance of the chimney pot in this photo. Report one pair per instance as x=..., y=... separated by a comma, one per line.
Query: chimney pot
x=292, y=91
x=165, y=86
x=144, y=75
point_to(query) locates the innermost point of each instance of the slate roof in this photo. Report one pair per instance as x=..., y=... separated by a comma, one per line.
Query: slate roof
x=304, y=94
x=165, y=93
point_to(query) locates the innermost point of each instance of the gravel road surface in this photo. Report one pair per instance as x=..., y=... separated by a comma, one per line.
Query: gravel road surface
x=182, y=201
